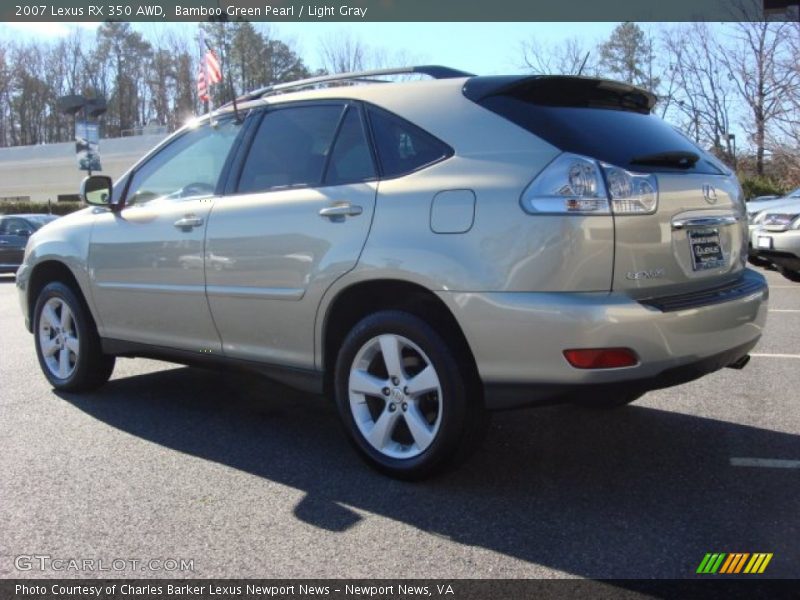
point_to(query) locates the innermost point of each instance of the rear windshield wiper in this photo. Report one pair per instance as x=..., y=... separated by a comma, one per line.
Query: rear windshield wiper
x=671, y=158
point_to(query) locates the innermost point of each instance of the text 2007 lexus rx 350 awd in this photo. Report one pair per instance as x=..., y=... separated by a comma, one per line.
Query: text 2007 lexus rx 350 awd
x=422, y=251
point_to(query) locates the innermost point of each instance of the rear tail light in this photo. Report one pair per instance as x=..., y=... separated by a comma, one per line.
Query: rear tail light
x=631, y=193
x=574, y=184
x=601, y=358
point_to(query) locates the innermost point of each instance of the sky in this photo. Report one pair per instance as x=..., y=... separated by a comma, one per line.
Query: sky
x=481, y=48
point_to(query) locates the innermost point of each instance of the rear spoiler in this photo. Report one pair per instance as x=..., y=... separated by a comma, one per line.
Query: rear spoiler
x=562, y=90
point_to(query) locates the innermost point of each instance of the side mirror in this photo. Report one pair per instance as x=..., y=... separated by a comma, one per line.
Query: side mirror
x=23, y=232
x=96, y=190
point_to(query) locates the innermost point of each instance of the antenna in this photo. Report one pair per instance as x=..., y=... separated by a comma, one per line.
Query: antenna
x=583, y=64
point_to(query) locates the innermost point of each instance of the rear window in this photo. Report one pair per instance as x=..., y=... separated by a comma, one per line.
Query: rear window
x=614, y=135
x=403, y=147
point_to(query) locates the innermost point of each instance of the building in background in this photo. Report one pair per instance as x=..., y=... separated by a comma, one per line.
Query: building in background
x=48, y=171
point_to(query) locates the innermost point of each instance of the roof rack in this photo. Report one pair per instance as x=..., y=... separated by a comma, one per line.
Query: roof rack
x=435, y=71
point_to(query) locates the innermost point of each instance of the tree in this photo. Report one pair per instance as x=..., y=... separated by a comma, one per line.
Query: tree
x=31, y=96
x=784, y=139
x=124, y=54
x=759, y=62
x=628, y=55
x=699, y=91
x=6, y=115
x=341, y=52
x=570, y=57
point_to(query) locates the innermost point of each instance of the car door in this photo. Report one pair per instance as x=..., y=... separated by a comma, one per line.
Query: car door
x=12, y=241
x=147, y=259
x=297, y=216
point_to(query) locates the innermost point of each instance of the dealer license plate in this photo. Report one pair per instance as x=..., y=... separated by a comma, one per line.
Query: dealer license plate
x=706, y=249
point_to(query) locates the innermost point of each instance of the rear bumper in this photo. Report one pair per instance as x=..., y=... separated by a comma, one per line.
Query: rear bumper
x=502, y=396
x=518, y=339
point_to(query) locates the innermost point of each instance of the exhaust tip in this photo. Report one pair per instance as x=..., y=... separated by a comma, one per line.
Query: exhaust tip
x=740, y=363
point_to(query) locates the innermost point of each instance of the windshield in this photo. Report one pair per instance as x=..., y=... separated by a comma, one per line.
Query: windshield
x=38, y=220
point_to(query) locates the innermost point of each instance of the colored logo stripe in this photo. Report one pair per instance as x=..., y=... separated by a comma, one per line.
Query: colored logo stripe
x=711, y=563
x=758, y=563
x=733, y=563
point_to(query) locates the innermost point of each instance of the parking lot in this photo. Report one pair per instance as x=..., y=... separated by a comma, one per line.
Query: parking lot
x=250, y=479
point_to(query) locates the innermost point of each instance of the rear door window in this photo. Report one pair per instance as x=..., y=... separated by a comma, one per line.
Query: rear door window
x=401, y=146
x=351, y=159
x=290, y=148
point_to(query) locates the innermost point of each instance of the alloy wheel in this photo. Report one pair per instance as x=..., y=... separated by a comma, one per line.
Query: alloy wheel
x=395, y=396
x=58, y=338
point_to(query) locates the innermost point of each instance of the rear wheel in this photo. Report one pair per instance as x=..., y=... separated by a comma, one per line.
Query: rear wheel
x=409, y=406
x=67, y=344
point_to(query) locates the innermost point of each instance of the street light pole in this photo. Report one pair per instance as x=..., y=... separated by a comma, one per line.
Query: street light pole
x=90, y=109
x=732, y=138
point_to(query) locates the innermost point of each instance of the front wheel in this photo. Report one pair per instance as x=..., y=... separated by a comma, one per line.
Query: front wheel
x=790, y=274
x=408, y=404
x=67, y=344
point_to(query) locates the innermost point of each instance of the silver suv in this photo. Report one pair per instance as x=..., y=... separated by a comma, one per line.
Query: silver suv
x=423, y=251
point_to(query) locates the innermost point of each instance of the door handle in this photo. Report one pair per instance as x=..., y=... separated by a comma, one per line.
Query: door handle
x=343, y=209
x=188, y=222
x=679, y=224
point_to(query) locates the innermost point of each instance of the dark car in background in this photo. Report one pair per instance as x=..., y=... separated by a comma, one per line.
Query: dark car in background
x=14, y=233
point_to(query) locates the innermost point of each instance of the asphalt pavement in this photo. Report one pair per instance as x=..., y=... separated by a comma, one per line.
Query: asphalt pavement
x=246, y=478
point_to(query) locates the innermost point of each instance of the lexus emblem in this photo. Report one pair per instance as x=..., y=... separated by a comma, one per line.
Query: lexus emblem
x=709, y=194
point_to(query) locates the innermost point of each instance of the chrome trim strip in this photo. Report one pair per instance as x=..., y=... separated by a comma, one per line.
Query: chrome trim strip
x=687, y=223
x=152, y=287
x=242, y=291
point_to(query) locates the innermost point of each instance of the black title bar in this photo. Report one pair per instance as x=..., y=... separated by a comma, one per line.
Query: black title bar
x=399, y=10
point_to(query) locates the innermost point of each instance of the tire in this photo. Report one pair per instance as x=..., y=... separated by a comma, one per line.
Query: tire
x=607, y=400
x=757, y=261
x=75, y=361
x=790, y=274
x=404, y=432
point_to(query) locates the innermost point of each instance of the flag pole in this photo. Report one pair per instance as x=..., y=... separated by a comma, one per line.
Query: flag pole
x=204, y=63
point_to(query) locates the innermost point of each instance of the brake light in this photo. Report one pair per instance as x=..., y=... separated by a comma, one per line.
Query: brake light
x=601, y=358
x=574, y=184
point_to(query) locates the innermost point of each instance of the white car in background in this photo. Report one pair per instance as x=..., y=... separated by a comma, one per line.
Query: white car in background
x=757, y=211
x=775, y=238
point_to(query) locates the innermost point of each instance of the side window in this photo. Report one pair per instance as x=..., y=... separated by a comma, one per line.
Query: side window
x=11, y=226
x=351, y=160
x=290, y=148
x=188, y=167
x=403, y=147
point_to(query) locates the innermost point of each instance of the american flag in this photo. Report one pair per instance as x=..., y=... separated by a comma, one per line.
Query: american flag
x=210, y=73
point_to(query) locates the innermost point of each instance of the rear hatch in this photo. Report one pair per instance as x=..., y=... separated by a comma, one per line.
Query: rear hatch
x=691, y=234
